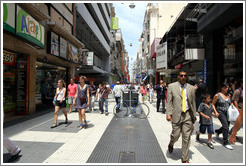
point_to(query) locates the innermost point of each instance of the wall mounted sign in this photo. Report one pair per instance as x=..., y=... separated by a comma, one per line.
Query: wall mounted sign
x=28, y=28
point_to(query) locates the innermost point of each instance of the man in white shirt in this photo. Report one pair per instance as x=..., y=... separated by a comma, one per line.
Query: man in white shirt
x=117, y=91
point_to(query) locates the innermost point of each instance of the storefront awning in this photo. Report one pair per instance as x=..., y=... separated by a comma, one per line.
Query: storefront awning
x=63, y=33
x=92, y=69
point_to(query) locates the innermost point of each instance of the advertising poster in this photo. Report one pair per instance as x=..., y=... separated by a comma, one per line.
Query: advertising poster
x=54, y=50
x=72, y=53
x=87, y=58
x=63, y=48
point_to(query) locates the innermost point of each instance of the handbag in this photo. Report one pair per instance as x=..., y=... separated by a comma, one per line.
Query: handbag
x=232, y=113
x=82, y=99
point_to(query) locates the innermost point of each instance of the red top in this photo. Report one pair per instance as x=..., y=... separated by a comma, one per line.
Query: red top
x=72, y=90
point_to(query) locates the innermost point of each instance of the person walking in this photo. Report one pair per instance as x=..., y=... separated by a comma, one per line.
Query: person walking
x=205, y=110
x=13, y=149
x=92, y=95
x=160, y=90
x=60, y=101
x=99, y=96
x=201, y=88
x=104, y=97
x=181, y=110
x=238, y=98
x=238, y=124
x=72, y=88
x=151, y=93
x=117, y=91
x=143, y=91
x=223, y=101
x=82, y=99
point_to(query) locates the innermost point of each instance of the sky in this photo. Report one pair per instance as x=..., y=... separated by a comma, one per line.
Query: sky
x=131, y=25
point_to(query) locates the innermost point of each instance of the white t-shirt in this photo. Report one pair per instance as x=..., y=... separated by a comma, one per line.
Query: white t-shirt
x=60, y=94
x=117, y=90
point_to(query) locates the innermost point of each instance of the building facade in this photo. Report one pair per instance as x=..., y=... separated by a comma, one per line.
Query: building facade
x=93, y=29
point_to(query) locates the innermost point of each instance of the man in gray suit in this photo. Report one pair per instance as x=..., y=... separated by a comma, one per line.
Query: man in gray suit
x=181, y=110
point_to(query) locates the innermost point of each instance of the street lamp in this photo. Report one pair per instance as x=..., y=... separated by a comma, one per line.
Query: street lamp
x=132, y=5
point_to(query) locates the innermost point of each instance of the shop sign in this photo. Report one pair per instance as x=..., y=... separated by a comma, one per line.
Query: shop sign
x=8, y=58
x=179, y=66
x=54, y=50
x=63, y=48
x=28, y=28
x=194, y=53
x=72, y=53
x=114, y=23
x=87, y=58
x=161, y=56
x=9, y=17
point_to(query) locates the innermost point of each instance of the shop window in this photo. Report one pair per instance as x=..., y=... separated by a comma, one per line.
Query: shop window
x=47, y=81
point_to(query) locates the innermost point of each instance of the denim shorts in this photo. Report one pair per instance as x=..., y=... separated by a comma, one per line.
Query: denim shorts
x=210, y=128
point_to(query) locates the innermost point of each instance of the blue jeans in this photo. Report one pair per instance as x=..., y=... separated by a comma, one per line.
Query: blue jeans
x=106, y=105
x=117, y=99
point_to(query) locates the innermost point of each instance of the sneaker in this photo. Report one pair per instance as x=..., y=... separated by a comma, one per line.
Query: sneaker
x=211, y=145
x=228, y=146
x=101, y=113
x=106, y=113
x=197, y=136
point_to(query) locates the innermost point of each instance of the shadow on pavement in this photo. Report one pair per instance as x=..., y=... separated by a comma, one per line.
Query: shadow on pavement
x=177, y=154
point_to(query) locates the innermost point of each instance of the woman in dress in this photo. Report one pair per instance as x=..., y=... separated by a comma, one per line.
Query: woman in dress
x=82, y=100
x=220, y=104
x=60, y=101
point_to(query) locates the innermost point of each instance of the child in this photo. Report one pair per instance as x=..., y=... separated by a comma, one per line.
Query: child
x=206, y=122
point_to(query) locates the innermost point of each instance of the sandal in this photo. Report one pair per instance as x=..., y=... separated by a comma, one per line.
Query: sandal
x=211, y=145
x=86, y=125
x=81, y=126
x=54, y=125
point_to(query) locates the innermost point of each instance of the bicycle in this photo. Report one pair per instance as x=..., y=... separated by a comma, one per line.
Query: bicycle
x=141, y=110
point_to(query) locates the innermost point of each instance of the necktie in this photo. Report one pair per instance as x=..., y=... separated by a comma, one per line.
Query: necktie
x=183, y=100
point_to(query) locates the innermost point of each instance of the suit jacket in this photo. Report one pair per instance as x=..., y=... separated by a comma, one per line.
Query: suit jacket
x=174, y=101
x=158, y=91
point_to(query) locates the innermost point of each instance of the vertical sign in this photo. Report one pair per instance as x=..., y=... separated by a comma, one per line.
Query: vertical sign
x=9, y=17
x=54, y=50
x=114, y=23
x=204, y=72
x=21, y=86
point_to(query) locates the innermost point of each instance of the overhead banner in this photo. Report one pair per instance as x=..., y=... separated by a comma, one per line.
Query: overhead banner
x=161, y=56
x=28, y=28
x=9, y=17
x=114, y=23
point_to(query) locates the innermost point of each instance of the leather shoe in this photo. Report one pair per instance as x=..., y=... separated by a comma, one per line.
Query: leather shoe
x=170, y=148
x=185, y=161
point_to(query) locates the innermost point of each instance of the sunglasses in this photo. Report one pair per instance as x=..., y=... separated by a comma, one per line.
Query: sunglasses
x=181, y=75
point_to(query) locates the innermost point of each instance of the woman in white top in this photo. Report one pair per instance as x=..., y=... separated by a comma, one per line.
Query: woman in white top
x=151, y=93
x=60, y=101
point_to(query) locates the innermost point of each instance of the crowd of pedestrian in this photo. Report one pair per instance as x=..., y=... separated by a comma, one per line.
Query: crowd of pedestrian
x=180, y=102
